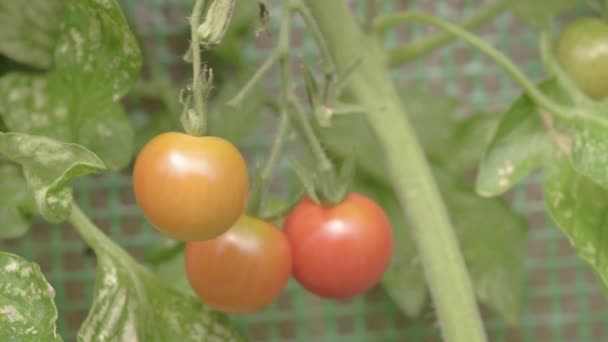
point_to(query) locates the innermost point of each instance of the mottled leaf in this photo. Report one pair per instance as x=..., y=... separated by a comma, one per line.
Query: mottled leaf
x=519, y=147
x=96, y=62
x=29, y=30
x=48, y=166
x=132, y=304
x=579, y=207
x=589, y=153
x=15, y=199
x=27, y=309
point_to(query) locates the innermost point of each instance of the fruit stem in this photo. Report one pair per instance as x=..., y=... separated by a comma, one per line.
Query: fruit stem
x=196, y=123
x=404, y=54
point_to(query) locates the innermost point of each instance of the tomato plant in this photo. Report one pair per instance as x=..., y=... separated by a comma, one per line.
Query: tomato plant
x=190, y=188
x=342, y=250
x=242, y=270
x=582, y=50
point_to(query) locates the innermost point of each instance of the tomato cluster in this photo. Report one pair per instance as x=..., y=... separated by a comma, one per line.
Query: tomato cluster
x=195, y=189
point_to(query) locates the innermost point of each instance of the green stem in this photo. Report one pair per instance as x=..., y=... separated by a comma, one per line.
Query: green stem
x=258, y=195
x=261, y=71
x=92, y=235
x=497, y=56
x=299, y=7
x=423, y=46
x=408, y=170
x=195, y=47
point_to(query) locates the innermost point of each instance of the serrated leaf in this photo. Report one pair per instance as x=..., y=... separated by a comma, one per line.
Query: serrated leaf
x=519, y=147
x=539, y=12
x=403, y=281
x=96, y=62
x=29, y=30
x=493, y=239
x=48, y=166
x=131, y=304
x=579, y=207
x=27, y=308
x=14, y=201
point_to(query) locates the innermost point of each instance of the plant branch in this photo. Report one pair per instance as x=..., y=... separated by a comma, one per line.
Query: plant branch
x=299, y=7
x=261, y=71
x=532, y=90
x=408, y=170
x=423, y=46
x=195, y=48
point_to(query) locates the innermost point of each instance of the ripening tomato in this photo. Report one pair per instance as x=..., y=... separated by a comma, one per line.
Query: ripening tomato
x=242, y=270
x=339, y=251
x=582, y=51
x=190, y=188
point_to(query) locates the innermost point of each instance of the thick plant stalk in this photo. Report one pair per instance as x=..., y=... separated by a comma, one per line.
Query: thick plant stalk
x=409, y=171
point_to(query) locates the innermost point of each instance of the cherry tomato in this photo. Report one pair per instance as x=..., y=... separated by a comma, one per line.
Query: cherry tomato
x=190, y=188
x=242, y=270
x=339, y=251
x=582, y=51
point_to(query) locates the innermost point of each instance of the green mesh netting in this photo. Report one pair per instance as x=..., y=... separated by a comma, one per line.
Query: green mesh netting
x=562, y=302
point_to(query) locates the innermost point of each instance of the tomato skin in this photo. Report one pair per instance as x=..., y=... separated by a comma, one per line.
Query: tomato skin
x=582, y=51
x=242, y=270
x=190, y=188
x=339, y=251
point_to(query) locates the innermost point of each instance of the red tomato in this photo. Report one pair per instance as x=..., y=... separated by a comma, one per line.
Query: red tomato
x=190, y=188
x=339, y=251
x=242, y=270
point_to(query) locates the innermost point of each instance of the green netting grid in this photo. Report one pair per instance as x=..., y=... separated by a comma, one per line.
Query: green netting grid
x=547, y=312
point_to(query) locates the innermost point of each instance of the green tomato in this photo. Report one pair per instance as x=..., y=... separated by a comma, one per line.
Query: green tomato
x=582, y=51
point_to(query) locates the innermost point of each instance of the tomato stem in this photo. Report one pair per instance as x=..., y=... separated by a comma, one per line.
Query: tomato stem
x=196, y=123
x=409, y=52
x=304, y=13
x=260, y=190
x=411, y=176
x=538, y=96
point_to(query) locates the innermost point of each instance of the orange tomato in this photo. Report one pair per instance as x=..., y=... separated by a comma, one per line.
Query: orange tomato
x=190, y=188
x=242, y=270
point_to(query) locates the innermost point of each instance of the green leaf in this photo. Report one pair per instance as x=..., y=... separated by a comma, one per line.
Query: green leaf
x=96, y=62
x=15, y=199
x=589, y=152
x=539, y=12
x=519, y=147
x=48, y=166
x=27, y=309
x=579, y=207
x=403, y=281
x=29, y=30
x=132, y=304
x=171, y=271
x=493, y=239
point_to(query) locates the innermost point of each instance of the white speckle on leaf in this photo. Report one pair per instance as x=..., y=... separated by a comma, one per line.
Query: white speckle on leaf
x=25, y=272
x=11, y=267
x=105, y=4
x=39, y=120
x=103, y=130
x=557, y=199
x=31, y=331
x=503, y=182
x=78, y=41
x=110, y=279
x=15, y=94
x=61, y=112
x=129, y=333
x=11, y=314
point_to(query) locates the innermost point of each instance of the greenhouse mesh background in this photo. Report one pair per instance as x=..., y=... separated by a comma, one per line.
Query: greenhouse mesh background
x=562, y=301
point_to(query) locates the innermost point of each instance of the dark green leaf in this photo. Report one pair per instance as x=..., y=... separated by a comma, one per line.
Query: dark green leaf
x=133, y=304
x=29, y=30
x=14, y=201
x=539, y=12
x=96, y=62
x=519, y=147
x=493, y=240
x=27, y=309
x=403, y=281
x=579, y=207
x=48, y=166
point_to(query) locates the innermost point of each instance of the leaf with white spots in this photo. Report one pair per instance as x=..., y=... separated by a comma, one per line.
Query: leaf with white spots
x=27, y=309
x=520, y=146
x=15, y=201
x=589, y=153
x=97, y=61
x=580, y=209
x=48, y=166
x=133, y=304
x=29, y=30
